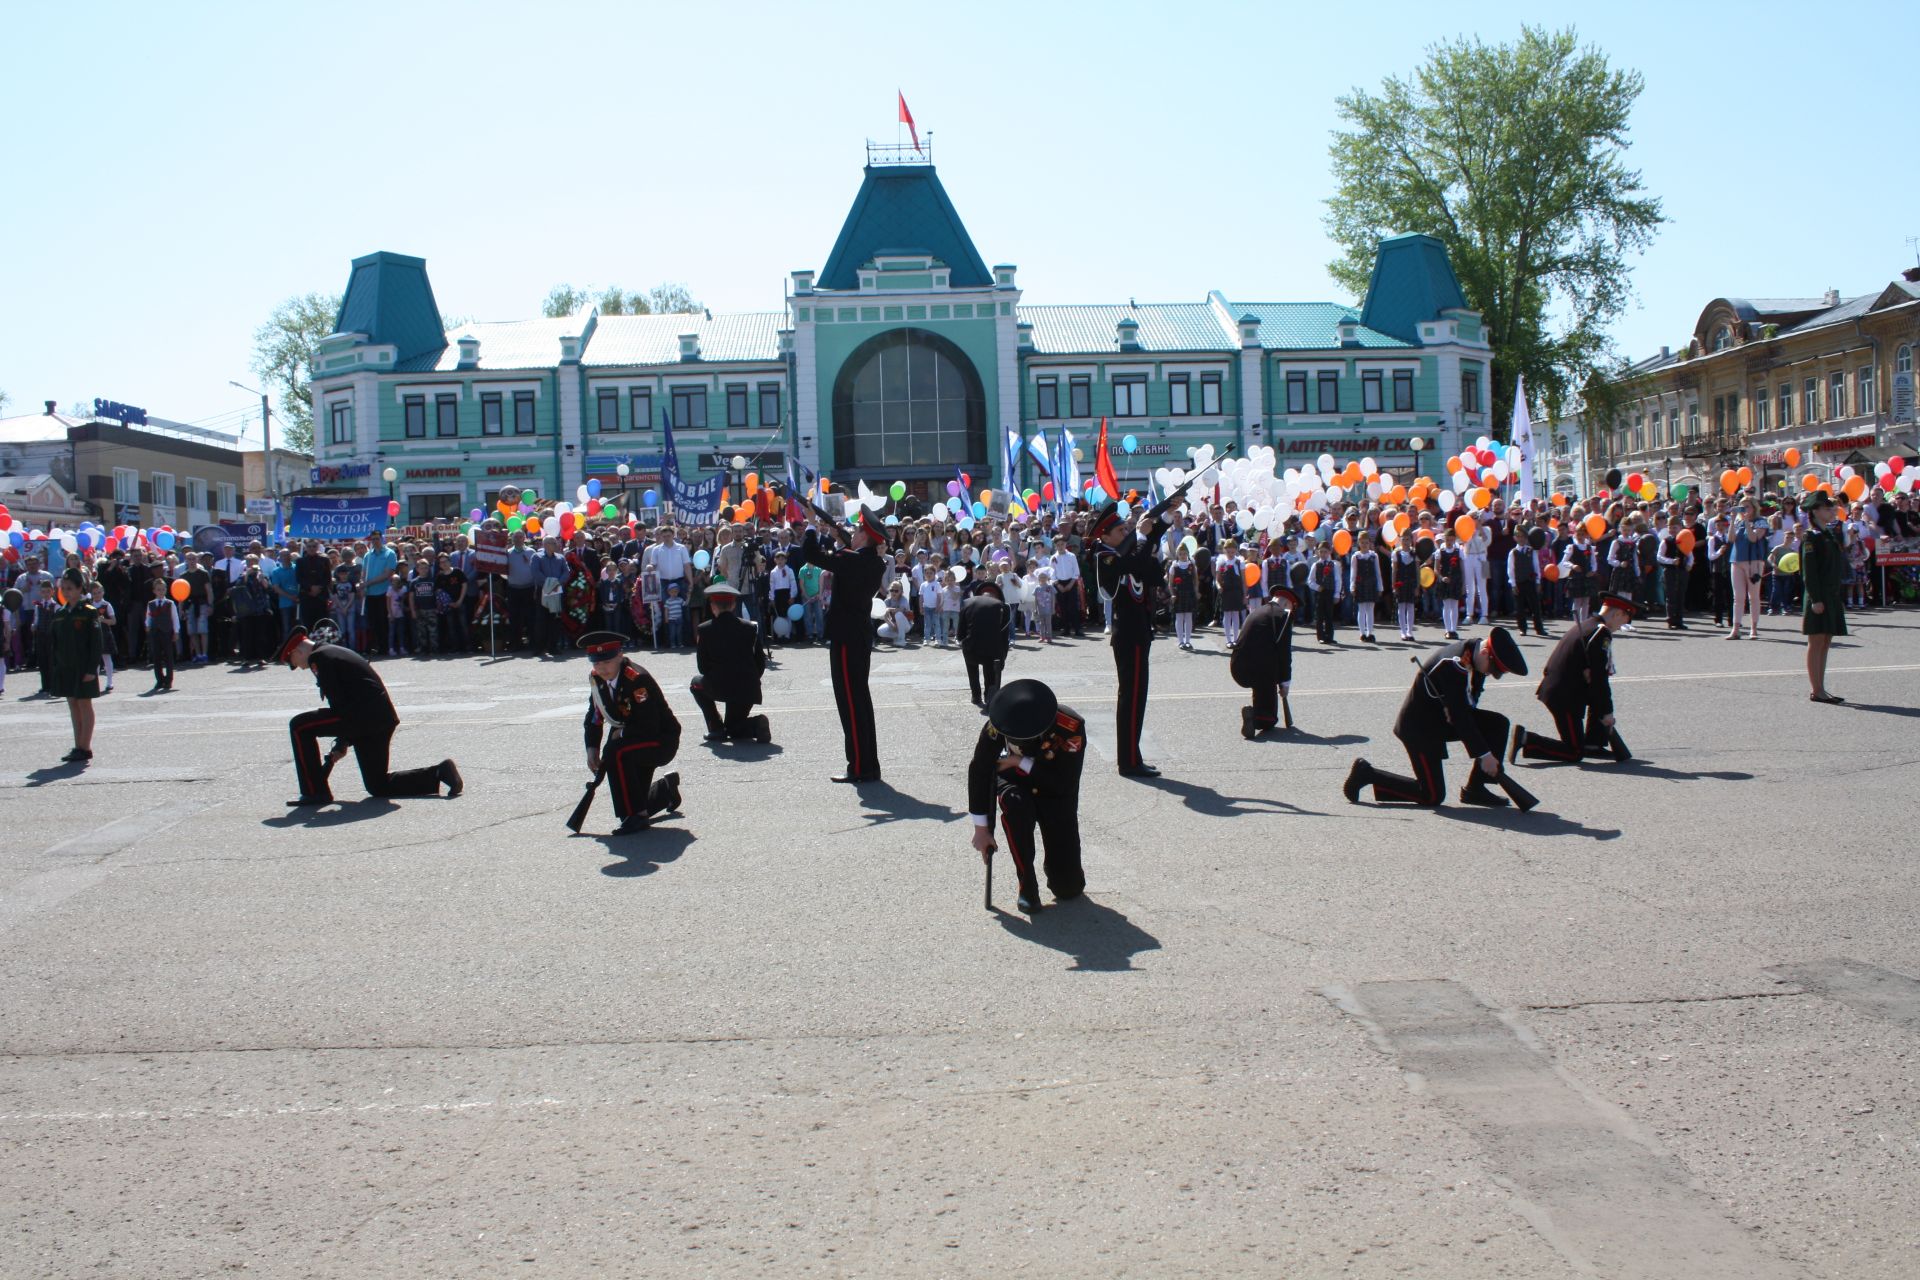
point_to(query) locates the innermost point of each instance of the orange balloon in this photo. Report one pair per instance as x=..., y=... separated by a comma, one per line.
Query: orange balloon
x=1856, y=488
x=1479, y=499
x=1809, y=482
x=1251, y=575
x=1559, y=499
x=1729, y=481
x=1465, y=527
x=1793, y=457
x=1686, y=541
x=1453, y=465
x=1310, y=520
x=1403, y=522
x=1342, y=542
x=751, y=483
x=1397, y=494
x=180, y=590
x=1826, y=488
x=1351, y=476
x=533, y=524
x=824, y=484
x=1596, y=527
x=1746, y=475
x=1551, y=573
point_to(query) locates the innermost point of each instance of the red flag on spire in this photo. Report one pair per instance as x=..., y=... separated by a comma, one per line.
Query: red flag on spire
x=906, y=118
x=1103, y=465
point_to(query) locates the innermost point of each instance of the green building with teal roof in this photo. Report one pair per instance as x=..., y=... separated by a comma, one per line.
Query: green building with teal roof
x=905, y=357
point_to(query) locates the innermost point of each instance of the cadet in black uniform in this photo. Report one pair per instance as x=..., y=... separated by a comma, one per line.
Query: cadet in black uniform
x=1263, y=661
x=1440, y=708
x=984, y=623
x=1130, y=574
x=731, y=655
x=625, y=703
x=856, y=580
x=1577, y=689
x=358, y=714
x=1027, y=765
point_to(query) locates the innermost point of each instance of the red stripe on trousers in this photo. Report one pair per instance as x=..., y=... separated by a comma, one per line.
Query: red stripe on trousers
x=1138, y=711
x=620, y=775
x=309, y=740
x=853, y=723
x=1020, y=865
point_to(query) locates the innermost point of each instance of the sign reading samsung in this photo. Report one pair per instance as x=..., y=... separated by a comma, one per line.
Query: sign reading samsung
x=334, y=519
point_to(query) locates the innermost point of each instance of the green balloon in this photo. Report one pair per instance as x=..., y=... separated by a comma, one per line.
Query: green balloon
x=515, y=524
x=899, y=490
x=610, y=511
x=1680, y=492
x=527, y=497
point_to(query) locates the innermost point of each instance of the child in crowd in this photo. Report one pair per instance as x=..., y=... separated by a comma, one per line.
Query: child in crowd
x=676, y=611
x=898, y=622
x=343, y=604
x=951, y=589
x=1183, y=581
x=107, y=619
x=163, y=626
x=1856, y=574
x=423, y=600
x=934, y=628
x=607, y=592
x=1045, y=598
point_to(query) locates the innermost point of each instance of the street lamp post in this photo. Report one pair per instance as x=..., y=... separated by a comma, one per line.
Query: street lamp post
x=1416, y=444
x=390, y=475
x=739, y=462
x=266, y=443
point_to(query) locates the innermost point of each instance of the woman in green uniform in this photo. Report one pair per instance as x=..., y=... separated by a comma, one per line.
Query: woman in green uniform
x=73, y=660
x=1823, y=568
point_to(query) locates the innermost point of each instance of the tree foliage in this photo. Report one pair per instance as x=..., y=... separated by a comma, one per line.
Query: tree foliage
x=283, y=355
x=1512, y=155
x=5, y=400
x=662, y=299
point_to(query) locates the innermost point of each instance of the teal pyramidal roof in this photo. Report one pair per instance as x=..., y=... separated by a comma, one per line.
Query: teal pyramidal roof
x=391, y=301
x=903, y=208
x=1412, y=281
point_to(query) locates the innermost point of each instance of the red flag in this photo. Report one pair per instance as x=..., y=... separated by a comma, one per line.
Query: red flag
x=1103, y=465
x=906, y=118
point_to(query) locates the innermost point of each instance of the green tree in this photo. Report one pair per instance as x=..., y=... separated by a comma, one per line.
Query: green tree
x=564, y=300
x=5, y=400
x=1512, y=155
x=662, y=299
x=283, y=355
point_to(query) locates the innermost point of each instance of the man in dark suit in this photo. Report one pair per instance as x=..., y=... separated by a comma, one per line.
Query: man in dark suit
x=1263, y=661
x=731, y=658
x=1441, y=708
x=1577, y=688
x=856, y=579
x=984, y=622
x=359, y=715
x=1026, y=766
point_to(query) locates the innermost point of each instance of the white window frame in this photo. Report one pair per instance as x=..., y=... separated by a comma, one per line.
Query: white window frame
x=1210, y=393
x=1837, y=394
x=340, y=422
x=227, y=498
x=1179, y=395
x=165, y=491
x=1866, y=393
x=1130, y=396
x=126, y=487
x=1762, y=410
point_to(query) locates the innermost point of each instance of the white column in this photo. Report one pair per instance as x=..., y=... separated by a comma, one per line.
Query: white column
x=366, y=423
x=1007, y=353
x=572, y=464
x=1253, y=394
x=806, y=400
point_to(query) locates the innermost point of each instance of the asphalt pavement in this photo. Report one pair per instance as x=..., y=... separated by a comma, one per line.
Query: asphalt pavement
x=1667, y=1025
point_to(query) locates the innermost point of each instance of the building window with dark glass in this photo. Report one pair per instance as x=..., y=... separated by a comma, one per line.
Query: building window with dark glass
x=640, y=405
x=1760, y=408
x=1046, y=397
x=422, y=507
x=446, y=416
x=340, y=430
x=1470, y=391
x=909, y=398
x=1328, y=385
x=769, y=404
x=1177, y=402
x=1785, y=404
x=1080, y=397
x=1810, y=391
x=1372, y=393
x=1693, y=420
x=737, y=404
x=1733, y=413
x=689, y=407
x=1210, y=394
x=1296, y=393
x=416, y=409
x=1836, y=395
x=1865, y=401
x=609, y=402
x=491, y=421
x=1719, y=415
x=1130, y=396
x=523, y=413
x=1403, y=391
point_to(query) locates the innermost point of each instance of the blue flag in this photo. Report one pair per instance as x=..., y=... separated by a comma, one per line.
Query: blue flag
x=701, y=499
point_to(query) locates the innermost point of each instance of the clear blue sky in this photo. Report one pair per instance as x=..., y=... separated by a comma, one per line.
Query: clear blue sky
x=171, y=172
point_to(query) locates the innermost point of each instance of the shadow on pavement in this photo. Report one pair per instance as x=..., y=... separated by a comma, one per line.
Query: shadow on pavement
x=1099, y=939
x=1537, y=823
x=1299, y=736
x=743, y=750
x=1883, y=709
x=1643, y=769
x=56, y=773
x=1210, y=802
x=336, y=814
x=883, y=802
x=644, y=852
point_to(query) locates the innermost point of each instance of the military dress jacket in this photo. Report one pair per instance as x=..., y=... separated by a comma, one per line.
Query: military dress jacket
x=1131, y=576
x=1577, y=675
x=1264, y=654
x=856, y=581
x=353, y=689
x=629, y=708
x=1049, y=767
x=1441, y=704
x=731, y=657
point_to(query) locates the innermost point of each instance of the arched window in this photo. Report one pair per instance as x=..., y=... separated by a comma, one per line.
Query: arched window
x=908, y=398
x=1903, y=360
x=1722, y=338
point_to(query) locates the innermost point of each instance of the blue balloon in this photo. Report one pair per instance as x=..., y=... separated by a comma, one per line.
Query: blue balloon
x=16, y=538
x=957, y=506
x=593, y=488
x=163, y=540
x=797, y=613
x=979, y=511
x=650, y=499
x=1129, y=443
x=1122, y=509
x=965, y=523
x=701, y=559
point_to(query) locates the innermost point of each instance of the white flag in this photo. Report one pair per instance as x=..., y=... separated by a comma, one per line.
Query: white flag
x=1521, y=437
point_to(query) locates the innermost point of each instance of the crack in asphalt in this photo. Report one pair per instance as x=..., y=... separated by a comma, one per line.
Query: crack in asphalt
x=1590, y=1004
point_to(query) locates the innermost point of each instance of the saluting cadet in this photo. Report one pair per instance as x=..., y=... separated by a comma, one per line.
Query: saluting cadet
x=1577, y=688
x=1026, y=766
x=856, y=580
x=359, y=715
x=983, y=635
x=1441, y=707
x=630, y=732
x=1263, y=661
x=731, y=655
x=1130, y=575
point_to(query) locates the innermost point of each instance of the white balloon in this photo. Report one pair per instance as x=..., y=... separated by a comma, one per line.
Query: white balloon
x=1368, y=467
x=1386, y=480
x=1484, y=442
x=1374, y=491
x=69, y=544
x=1500, y=471
x=1447, y=500
x=1460, y=482
x=1325, y=463
x=1335, y=493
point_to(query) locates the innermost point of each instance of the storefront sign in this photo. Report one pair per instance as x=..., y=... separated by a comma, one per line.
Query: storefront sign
x=260, y=506
x=431, y=473
x=1342, y=448
x=332, y=519
x=521, y=469
x=1902, y=397
x=1151, y=448
x=1846, y=444
x=124, y=414
x=766, y=460
x=341, y=473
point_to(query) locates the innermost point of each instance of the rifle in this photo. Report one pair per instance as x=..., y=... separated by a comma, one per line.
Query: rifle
x=1167, y=503
x=988, y=859
x=1286, y=709
x=839, y=530
x=579, y=816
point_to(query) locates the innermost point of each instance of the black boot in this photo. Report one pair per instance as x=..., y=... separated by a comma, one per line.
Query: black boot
x=1476, y=792
x=1358, y=779
x=1248, y=729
